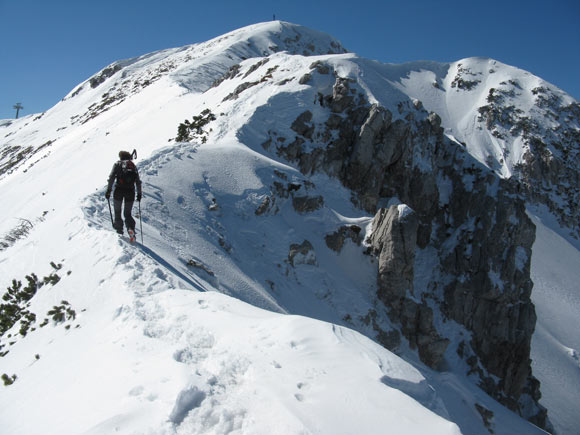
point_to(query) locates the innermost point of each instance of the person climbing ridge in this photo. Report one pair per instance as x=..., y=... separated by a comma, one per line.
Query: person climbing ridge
x=125, y=177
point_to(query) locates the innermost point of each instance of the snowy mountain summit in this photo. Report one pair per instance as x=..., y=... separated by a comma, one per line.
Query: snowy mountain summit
x=330, y=245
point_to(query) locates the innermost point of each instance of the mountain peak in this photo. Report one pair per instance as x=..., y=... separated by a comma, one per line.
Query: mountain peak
x=274, y=36
x=195, y=67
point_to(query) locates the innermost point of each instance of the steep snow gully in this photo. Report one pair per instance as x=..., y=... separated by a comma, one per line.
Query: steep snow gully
x=331, y=245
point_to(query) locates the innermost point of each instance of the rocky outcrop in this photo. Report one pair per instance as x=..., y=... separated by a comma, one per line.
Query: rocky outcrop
x=336, y=240
x=303, y=126
x=307, y=204
x=104, y=75
x=302, y=254
x=393, y=241
x=456, y=209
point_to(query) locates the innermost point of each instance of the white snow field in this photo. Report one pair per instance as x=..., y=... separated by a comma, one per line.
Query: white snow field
x=208, y=327
x=556, y=343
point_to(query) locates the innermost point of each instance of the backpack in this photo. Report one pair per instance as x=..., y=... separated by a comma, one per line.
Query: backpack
x=127, y=174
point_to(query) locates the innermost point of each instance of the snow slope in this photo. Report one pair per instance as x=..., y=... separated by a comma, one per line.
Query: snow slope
x=556, y=344
x=210, y=327
x=178, y=361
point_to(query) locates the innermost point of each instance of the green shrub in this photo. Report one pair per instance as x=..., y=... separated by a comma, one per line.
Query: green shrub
x=187, y=131
x=16, y=300
x=8, y=380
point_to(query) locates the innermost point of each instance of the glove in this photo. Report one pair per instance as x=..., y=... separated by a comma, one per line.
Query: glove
x=138, y=197
x=108, y=194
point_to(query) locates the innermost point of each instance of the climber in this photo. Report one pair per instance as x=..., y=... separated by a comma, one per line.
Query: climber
x=125, y=174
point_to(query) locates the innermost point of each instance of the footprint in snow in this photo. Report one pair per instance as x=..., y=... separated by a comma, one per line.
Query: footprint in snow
x=187, y=400
x=137, y=391
x=124, y=259
x=184, y=356
x=160, y=274
x=299, y=397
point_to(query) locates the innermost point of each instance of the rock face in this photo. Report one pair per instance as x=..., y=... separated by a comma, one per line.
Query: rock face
x=452, y=209
x=393, y=241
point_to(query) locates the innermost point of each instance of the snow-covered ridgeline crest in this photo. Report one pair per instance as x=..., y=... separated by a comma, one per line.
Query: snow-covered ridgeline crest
x=246, y=208
x=192, y=68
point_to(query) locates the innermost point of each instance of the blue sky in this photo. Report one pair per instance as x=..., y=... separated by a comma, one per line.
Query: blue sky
x=47, y=47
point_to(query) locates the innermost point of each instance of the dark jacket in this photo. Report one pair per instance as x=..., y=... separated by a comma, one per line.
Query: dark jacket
x=126, y=191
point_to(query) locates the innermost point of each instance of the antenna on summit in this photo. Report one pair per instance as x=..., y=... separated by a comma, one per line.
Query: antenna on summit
x=273, y=17
x=18, y=107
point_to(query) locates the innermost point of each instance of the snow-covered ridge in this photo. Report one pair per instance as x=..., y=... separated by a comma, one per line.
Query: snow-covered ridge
x=187, y=69
x=196, y=66
x=223, y=212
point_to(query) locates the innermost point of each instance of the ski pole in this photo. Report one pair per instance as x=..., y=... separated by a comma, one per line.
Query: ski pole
x=110, y=212
x=140, y=222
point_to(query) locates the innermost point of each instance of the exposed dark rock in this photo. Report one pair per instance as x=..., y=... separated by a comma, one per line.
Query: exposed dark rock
x=15, y=156
x=264, y=206
x=461, y=82
x=341, y=98
x=390, y=339
x=266, y=144
x=307, y=204
x=320, y=67
x=486, y=416
x=302, y=254
x=305, y=79
x=256, y=66
x=232, y=72
x=293, y=150
x=282, y=190
x=303, y=126
x=200, y=265
x=104, y=75
x=241, y=88
x=335, y=241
